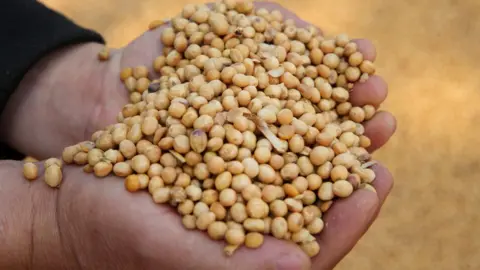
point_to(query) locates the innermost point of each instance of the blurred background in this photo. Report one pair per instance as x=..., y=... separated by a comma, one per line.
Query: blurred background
x=427, y=52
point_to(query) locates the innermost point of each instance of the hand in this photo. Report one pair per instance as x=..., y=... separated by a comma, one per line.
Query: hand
x=62, y=109
x=102, y=226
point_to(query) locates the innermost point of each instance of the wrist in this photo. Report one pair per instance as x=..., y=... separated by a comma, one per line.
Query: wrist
x=29, y=229
x=50, y=250
x=27, y=211
x=37, y=113
x=16, y=218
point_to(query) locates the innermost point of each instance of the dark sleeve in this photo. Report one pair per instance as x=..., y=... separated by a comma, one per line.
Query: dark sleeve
x=30, y=30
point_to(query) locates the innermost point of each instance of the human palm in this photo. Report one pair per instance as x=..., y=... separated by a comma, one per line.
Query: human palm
x=109, y=228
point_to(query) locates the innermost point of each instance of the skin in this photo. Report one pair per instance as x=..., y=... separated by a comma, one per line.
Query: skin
x=95, y=224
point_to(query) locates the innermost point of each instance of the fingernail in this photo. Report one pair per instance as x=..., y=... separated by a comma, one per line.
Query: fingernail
x=292, y=261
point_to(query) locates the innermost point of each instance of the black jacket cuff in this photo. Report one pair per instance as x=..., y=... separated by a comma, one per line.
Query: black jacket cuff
x=30, y=31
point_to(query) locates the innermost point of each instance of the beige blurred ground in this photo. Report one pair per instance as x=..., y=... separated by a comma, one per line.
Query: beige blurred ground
x=427, y=51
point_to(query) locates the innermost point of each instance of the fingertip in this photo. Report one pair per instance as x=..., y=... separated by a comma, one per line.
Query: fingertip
x=383, y=182
x=367, y=48
x=380, y=129
x=374, y=91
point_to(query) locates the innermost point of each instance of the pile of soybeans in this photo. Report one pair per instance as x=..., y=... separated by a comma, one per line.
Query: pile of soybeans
x=244, y=126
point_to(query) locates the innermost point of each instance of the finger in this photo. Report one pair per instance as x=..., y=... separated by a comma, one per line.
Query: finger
x=380, y=129
x=345, y=223
x=356, y=226
x=383, y=185
x=373, y=92
x=383, y=182
x=367, y=49
x=353, y=219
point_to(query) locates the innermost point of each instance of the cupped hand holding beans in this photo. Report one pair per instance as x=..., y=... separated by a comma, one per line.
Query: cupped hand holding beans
x=151, y=235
